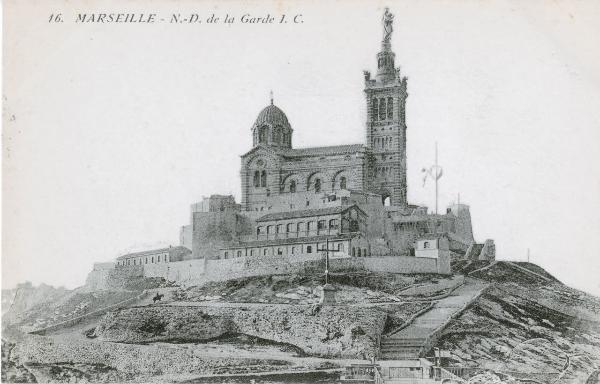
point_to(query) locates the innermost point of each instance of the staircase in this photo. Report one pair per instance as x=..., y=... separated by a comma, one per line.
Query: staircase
x=397, y=348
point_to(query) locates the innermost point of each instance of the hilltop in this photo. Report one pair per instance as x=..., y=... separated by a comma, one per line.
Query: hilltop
x=504, y=320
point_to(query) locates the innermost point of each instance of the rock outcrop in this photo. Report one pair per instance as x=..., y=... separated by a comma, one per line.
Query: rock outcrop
x=348, y=332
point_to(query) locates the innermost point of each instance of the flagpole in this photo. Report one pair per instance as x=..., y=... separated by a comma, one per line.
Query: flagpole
x=436, y=178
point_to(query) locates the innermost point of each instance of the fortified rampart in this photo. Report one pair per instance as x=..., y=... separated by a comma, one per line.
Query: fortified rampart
x=183, y=272
x=224, y=269
x=97, y=279
x=193, y=272
x=214, y=230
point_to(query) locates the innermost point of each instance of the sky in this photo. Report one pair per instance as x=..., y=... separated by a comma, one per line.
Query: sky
x=112, y=131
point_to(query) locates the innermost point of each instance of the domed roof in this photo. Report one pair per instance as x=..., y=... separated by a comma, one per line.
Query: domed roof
x=271, y=115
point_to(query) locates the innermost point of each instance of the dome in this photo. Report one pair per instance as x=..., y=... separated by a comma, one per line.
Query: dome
x=273, y=116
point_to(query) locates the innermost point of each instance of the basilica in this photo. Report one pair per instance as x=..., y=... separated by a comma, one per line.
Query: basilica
x=348, y=201
x=273, y=167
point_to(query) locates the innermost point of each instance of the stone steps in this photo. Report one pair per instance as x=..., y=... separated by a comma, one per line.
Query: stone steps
x=402, y=342
x=401, y=348
x=410, y=381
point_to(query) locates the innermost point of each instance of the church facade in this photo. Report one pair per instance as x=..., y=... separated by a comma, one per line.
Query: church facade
x=273, y=167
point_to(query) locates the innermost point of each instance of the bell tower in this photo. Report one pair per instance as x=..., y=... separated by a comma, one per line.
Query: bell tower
x=386, y=122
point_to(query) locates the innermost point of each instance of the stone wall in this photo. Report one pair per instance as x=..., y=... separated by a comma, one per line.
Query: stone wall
x=242, y=267
x=214, y=230
x=198, y=271
x=224, y=269
x=97, y=279
x=118, y=277
x=394, y=264
x=104, y=278
x=185, y=236
x=488, y=252
x=462, y=226
x=183, y=272
x=347, y=332
x=194, y=272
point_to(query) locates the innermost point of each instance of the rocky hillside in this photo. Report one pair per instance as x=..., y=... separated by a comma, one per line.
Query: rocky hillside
x=25, y=296
x=334, y=332
x=528, y=327
x=523, y=326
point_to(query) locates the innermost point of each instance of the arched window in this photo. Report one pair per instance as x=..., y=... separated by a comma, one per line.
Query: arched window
x=375, y=109
x=300, y=228
x=321, y=225
x=289, y=228
x=353, y=251
x=390, y=108
x=310, y=226
x=262, y=134
x=317, y=185
x=333, y=224
x=364, y=252
x=293, y=250
x=426, y=245
x=263, y=179
x=265, y=252
x=342, y=182
x=277, y=135
x=386, y=201
x=279, y=228
x=382, y=109
x=256, y=179
x=259, y=230
x=358, y=252
x=293, y=186
x=226, y=255
x=239, y=253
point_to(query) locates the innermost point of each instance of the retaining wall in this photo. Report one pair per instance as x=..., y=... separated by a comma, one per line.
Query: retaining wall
x=179, y=271
x=197, y=271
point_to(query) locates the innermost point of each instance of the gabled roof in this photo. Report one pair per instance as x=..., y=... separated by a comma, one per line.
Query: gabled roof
x=274, y=150
x=325, y=151
x=308, y=213
x=173, y=252
x=310, y=151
